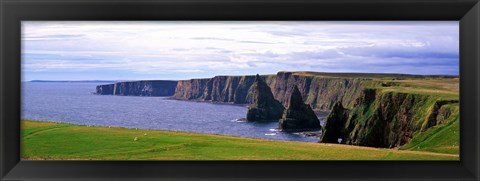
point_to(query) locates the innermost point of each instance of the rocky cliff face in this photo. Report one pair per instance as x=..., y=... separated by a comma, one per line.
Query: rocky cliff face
x=192, y=89
x=298, y=116
x=319, y=92
x=333, y=128
x=227, y=89
x=263, y=106
x=439, y=112
x=105, y=89
x=139, y=88
x=385, y=119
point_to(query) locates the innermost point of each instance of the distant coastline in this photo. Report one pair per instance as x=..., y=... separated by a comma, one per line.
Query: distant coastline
x=78, y=81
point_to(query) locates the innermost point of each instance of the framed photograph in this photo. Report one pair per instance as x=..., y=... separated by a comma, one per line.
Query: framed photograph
x=247, y=90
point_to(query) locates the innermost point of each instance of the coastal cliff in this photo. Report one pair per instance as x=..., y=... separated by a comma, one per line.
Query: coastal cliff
x=320, y=92
x=388, y=119
x=377, y=110
x=226, y=89
x=139, y=88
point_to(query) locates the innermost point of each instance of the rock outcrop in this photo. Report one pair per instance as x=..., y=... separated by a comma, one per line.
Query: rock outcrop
x=139, y=88
x=225, y=89
x=298, y=116
x=263, y=106
x=319, y=92
x=438, y=113
x=333, y=129
x=105, y=89
x=385, y=119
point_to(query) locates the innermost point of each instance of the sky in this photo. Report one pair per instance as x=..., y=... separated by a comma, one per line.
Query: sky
x=177, y=50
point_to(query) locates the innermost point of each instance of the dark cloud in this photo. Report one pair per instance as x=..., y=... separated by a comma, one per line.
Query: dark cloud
x=399, y=52
x=307, y=55
x=287, y=33
x=180, y=49
x=53, y=37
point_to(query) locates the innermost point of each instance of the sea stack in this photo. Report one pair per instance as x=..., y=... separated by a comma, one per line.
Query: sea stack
x=298, y=116
x=334, y=127
x=262, y=105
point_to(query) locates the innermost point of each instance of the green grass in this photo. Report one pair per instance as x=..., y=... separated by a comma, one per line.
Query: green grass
x=58, y=141
x=367, y=75
x=441, y=138
x=427, y=91
x=445, y=88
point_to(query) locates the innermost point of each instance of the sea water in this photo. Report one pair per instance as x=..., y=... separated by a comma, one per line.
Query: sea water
x=76, y=103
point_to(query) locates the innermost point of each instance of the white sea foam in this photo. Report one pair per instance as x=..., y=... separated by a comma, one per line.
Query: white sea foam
x=239, y=120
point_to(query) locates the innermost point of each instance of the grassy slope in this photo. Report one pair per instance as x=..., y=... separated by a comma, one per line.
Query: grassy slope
x=44, y=140
x=443, y=138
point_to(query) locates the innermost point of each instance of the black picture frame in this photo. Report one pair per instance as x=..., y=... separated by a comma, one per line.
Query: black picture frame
x=12, y=12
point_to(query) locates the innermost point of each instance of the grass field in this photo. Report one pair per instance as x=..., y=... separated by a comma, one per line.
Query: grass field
x=59, y=141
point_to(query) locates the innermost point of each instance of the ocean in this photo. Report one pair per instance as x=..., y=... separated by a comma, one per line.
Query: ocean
x=76, y=103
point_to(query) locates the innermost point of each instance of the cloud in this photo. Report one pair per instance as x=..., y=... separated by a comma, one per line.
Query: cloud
x=62, y=37
x=185, y=49
x=231, y=40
